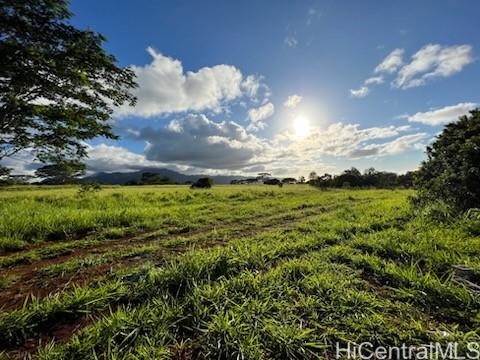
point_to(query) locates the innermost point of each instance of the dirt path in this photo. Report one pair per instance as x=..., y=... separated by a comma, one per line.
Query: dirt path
x=63, y=332
x=31, y=282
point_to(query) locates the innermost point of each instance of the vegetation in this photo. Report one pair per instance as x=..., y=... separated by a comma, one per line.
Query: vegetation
x=370, y=178
x=57, y=85
x=254, y=273
x=203, y=183
x=62, y=172
x=149, y=178
x=451, y=172
x=148, y=272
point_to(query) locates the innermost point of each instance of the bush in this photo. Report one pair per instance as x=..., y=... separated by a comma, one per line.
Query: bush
x=451, y=172
x=272, y=182
x=89, y=188
x=203, y=183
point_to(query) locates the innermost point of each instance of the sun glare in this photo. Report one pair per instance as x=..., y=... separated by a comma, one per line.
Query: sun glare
x=301, y=126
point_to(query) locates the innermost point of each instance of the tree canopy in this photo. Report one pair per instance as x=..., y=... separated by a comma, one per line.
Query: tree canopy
x=205, y=183
x=61, y=172
x=370, y=178
x=58, y=86
x=451, y=172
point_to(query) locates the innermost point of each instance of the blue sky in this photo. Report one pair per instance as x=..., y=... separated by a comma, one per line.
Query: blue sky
x=248, y=57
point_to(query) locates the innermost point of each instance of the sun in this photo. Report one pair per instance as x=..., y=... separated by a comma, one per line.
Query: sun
x=301, y=126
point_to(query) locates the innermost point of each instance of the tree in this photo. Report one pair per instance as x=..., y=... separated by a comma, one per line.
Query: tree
x=61, y=172
x=273, y=181
x=58, y=87
x=451, y=172
x=4, y=171
x=324, y=181
x=204, y=183
x=406, y=180
x=352, y=177
x=263, y=175
x=301, y=179
x=5, y=176
x=313, y=176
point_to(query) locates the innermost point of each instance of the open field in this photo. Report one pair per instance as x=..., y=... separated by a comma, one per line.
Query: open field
x=253, y=272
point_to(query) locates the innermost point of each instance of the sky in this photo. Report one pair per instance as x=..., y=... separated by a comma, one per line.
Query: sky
x=286, y=87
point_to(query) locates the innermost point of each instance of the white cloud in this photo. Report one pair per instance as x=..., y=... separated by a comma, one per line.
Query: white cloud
x=443, y=115
x=394, y=147
x=164, y=87
x=110, y=158
x=198, y=141
x=290, y=41
x=360, y=92
x=196, y=144
x=339, y=140
x=433, y=61
x=391, y=63
x=374, y=80
x=292, y=101
x=430, y=62
x=257, y=115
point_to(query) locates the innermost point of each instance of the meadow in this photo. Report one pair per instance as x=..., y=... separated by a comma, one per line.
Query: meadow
x=233, y=272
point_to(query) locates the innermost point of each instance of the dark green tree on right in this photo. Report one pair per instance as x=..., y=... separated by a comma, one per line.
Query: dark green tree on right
x=451, y=172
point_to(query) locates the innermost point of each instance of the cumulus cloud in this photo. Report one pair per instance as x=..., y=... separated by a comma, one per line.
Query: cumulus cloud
x=164, y=87
x=433, y=61
x=374, y=80
x=391, y=63
x=197, y=144
x=258, y=115
x=292, y=101
x=198, y=141
x=346, y=140
x=443, y=115
x=360, y=92
x=394, y=147
x=110, y=158
x=430, y=62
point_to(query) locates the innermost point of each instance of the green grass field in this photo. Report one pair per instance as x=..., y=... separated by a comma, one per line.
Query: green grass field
x=235, y=272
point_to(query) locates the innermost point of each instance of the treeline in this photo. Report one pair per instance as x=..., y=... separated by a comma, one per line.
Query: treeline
x=353, y=178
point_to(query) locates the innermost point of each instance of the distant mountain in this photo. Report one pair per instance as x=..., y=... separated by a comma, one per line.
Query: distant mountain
x=120, y=178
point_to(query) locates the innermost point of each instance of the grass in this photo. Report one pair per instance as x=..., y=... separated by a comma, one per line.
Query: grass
x=247, y=272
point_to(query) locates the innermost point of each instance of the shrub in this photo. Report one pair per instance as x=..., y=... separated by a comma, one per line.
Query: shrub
x=272, y=182
x=203, y=183
x=89, y=188
x=451, y=172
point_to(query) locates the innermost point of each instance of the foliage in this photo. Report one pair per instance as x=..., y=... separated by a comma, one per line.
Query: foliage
x=4, y=171
x=451, y=172
x=61, y=172
x=370, y=178
x=4, y=176
x=10, y=180
x=203, y=183
x=289, y=180
x=89, y=188
x=272, y=181
x=58, y=86
x=149, y=178
x=344, y=273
